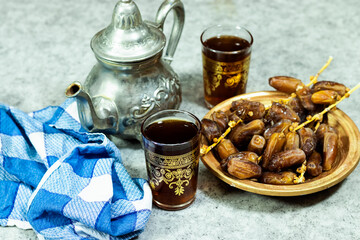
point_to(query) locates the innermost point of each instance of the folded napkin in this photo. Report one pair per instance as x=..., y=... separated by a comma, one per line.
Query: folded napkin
x=64, y=182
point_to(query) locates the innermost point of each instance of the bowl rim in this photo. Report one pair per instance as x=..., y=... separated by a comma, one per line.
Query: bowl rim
x=335, y=176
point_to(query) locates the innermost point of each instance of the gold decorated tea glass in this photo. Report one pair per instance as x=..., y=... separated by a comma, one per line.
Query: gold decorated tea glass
x=226, y=52
x=171, y=144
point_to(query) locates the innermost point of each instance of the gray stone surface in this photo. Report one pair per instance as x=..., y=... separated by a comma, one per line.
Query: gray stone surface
x=44, y=46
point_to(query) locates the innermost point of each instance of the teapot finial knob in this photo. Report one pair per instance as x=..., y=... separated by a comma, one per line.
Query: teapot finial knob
x=127, y=38
x=126, y=15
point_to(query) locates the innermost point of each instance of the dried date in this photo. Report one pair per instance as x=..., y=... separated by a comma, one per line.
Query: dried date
x=248, y=110
x=257, y=144
x=325, y=97
x=292, y=141
x=221, y=119
x=243, y=155
x=243, y=169
x=304, y=94
x=329, y=85
x=281, y=126
x=295, y=104
x=284, y=83
x=329, y=150
x=225, y=148
x=285, y=159
x=313, y=166
x=307, y=140
x=279, y=112
x=210, y=129
x=242, y=134
x=274, y=145
x=281, y=178
x=233, y=117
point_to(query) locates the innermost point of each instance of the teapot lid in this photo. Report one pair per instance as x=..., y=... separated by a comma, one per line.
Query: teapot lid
x=127, y=38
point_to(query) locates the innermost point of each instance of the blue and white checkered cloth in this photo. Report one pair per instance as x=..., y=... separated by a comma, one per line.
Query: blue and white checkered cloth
x=64, y=182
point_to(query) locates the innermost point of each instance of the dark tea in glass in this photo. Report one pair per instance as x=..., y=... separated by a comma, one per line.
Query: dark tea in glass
x=226, y=52
x=171, y=144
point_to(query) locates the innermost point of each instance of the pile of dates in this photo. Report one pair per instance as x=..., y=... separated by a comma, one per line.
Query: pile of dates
x=264, y=146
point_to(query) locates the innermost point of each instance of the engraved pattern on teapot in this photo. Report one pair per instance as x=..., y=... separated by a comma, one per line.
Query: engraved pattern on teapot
x=130, y=45
x=126, y=22
x=166, y=92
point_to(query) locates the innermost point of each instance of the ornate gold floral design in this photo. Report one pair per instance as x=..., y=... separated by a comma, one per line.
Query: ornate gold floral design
x=232, y=73
x=175, y=171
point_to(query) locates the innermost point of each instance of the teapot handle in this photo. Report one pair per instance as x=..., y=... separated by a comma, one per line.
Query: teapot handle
x=179, y=17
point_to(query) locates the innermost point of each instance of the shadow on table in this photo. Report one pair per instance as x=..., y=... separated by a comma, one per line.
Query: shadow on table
x=193, y=89
x=125, y=143
x=310, y=199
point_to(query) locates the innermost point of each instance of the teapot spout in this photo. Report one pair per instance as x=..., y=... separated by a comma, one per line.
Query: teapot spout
x=92, y=122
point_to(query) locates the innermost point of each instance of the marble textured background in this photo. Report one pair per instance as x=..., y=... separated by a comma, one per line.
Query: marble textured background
x=44, y=46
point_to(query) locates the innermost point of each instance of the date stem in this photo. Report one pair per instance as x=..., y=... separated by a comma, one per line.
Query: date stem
x=313, y=79
x=301, y=170
x=205, y=149
x=319, y=116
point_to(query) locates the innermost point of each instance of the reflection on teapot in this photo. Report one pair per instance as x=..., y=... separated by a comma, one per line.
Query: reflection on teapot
x=131, y=79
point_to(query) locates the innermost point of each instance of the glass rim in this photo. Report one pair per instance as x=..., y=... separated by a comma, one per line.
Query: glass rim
x=230, y=26
x=171, y=111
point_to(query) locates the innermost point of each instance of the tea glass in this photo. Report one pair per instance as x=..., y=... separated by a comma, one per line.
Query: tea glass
x=172, y=167
x=226, y=52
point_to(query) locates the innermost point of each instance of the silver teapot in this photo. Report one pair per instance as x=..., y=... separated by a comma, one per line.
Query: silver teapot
x=132, y=79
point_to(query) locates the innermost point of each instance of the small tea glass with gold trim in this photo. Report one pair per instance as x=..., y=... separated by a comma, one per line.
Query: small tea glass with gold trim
x=226, y=52
x=171, y=145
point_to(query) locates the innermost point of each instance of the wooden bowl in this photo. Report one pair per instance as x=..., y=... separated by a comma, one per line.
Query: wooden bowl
x=347, y=157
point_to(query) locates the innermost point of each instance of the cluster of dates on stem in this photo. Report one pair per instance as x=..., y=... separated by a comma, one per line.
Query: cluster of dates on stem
x=272, y=144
